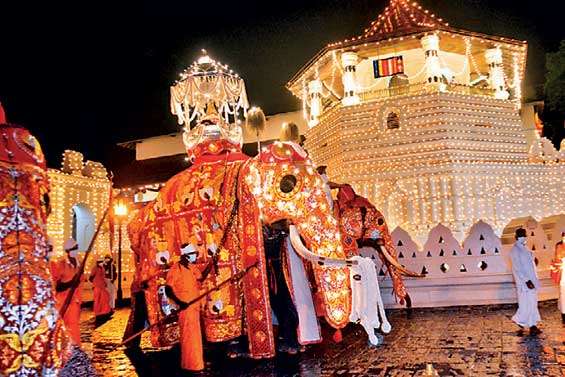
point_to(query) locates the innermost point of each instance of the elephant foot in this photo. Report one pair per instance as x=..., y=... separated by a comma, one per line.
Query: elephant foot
x=235, y=350
x=79, y=364
x=409, y=310
x=287, y=349
x=379, y=342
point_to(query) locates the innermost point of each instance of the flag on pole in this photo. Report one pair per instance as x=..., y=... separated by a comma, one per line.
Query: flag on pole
x=388, y=67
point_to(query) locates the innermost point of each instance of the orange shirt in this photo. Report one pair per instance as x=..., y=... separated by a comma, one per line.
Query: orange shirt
x=97, y=276
x=63, y=271
x=184, y=282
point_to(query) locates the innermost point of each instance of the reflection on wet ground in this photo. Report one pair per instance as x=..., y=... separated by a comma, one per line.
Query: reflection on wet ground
x=462, y=341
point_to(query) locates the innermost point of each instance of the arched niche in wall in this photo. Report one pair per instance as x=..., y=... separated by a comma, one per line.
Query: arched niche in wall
x=408, y=251
x=482, y=240
x=391, y=119
x=483, y=245
x=83, y=225
x=442, y=243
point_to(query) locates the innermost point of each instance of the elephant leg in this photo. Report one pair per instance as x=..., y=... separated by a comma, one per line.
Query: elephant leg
x=409, y=310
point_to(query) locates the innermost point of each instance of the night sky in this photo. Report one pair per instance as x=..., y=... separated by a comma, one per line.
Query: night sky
x=85, y=75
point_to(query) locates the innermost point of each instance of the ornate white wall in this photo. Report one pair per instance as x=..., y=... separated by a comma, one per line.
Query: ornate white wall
x=476, y=271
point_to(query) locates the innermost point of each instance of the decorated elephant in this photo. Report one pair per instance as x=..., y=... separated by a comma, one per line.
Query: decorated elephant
x=33, y=338
x=217, y=207
x=365, y=232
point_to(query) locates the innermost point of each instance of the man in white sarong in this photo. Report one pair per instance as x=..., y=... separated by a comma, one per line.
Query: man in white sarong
x=527, y=284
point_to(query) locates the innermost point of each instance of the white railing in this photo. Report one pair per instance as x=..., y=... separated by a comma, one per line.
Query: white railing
x=423, y=88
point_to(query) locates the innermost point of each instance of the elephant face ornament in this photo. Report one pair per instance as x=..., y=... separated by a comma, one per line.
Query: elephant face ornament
x=288, y=186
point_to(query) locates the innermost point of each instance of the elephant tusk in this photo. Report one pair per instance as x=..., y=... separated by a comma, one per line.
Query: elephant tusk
x=303, y=251
x=403, y=270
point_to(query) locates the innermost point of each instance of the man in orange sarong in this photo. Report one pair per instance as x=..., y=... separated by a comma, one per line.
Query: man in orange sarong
x=183, y=286
x=65, y=274
x=101, y=295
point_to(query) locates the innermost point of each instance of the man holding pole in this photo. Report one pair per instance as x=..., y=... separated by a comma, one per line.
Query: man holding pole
x=183, y=286
x=65, y=273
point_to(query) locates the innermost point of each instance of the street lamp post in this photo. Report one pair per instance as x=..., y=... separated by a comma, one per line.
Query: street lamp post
x=121, y=211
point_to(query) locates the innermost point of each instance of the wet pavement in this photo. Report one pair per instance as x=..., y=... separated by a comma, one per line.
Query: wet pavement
x=462, y=341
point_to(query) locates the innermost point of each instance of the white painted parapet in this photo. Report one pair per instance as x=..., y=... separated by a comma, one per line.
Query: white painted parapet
x=475, y=272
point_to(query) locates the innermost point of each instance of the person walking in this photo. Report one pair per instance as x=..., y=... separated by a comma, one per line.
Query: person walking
x=183, y=285
x=110, y=276
x=527, y=284
x=65, y=273
x=102, y=307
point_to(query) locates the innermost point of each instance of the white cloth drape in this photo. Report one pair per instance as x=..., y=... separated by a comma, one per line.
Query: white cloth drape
x=524, y=269
x=366, y=302
x=308, y=329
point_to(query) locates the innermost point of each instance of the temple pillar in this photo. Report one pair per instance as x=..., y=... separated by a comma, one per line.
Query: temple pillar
x=493, y=57
x=315, y=96
x=348, y=62
x=430, y=45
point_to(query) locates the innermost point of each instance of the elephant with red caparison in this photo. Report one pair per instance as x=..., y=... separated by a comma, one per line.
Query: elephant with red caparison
x=218, y=206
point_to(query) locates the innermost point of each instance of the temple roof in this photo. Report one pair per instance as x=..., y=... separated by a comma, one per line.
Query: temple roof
x=402, y=16
x=400, y=22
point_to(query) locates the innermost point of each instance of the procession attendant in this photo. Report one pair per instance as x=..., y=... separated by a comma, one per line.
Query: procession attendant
x=557, y=266
x=101, y=297
x=110, y=275
x=183, y=286
x=527, y=284
x=65, y=274
x=138, y=313
x=279, y=295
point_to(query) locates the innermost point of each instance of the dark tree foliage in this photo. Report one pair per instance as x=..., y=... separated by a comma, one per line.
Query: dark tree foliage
x=555, y=92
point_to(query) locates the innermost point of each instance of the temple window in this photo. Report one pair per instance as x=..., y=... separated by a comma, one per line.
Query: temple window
x=392, y=121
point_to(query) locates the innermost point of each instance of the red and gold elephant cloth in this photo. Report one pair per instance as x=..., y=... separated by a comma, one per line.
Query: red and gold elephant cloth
x=231, y=191
x=33, y=340
x=193, y=210
x=359, y=220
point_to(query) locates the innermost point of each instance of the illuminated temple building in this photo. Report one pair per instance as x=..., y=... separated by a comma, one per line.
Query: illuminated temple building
x=424, y=119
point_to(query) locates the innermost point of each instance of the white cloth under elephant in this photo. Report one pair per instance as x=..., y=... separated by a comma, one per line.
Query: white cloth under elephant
x=367, y=304
x=366, y=301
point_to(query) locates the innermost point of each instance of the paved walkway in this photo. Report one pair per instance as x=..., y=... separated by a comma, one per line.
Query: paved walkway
x=462, y=341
